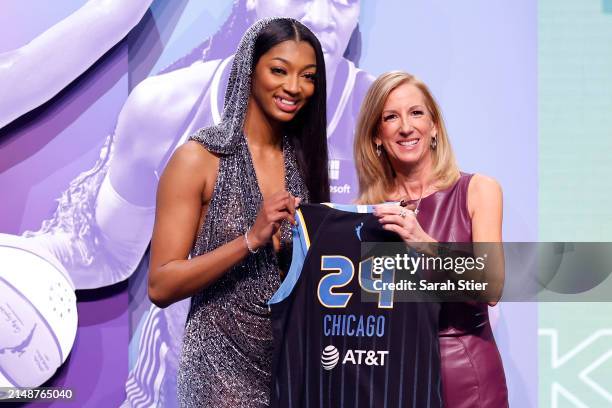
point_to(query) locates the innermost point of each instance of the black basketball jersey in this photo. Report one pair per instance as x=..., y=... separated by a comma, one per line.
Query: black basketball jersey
x=332, y=348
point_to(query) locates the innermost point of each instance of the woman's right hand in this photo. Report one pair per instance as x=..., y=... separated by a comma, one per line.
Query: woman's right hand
x=276, y=208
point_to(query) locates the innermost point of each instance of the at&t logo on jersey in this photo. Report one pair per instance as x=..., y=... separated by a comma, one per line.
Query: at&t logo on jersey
x=330, y=357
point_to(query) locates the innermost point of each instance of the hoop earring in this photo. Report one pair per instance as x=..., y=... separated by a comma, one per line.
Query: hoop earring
x=434, y=143
x=378, y=150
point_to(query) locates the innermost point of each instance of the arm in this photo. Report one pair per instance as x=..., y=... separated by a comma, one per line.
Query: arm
x=485, y=205
x=104, y=220
x=179, y=202
x=185, y=181
x=65, y=51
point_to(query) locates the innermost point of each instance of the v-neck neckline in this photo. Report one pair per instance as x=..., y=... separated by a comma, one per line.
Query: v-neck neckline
x=251, y=166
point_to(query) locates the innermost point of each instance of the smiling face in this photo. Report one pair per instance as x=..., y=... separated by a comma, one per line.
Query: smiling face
x=332, y=21
x=283, y=80
x=406, y=127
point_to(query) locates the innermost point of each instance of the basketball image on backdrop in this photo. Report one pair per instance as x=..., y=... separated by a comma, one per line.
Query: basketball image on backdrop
x=38, y=316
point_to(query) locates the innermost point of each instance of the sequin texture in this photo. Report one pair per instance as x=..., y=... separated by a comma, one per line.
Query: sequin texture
x=226, y=354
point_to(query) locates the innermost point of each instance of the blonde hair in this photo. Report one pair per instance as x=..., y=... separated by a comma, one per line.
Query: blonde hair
x=375, y=174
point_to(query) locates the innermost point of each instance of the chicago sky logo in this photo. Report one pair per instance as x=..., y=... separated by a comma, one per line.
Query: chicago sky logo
x=329, y=357
x=358, y=231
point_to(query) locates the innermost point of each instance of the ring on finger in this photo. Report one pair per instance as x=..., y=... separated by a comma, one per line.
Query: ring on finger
x=403, y=213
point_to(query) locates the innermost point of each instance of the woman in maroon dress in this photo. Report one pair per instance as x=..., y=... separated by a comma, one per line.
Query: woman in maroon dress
x=402, y=152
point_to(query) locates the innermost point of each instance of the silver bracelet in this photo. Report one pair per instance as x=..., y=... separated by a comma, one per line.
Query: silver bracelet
x=246, y=240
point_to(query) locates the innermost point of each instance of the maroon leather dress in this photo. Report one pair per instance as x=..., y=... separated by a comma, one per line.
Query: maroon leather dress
x=472, y=370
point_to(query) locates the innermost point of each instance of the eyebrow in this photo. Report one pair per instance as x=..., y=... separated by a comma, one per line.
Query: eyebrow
x=288, y=63
x=411, y=108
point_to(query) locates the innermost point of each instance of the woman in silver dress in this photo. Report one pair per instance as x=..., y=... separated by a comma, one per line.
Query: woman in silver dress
x=224, y=206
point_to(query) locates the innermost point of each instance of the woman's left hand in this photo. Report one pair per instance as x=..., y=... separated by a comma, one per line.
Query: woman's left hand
x=403, y=221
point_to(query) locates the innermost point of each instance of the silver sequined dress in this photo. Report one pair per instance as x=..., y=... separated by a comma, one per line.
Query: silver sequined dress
x=226, y=355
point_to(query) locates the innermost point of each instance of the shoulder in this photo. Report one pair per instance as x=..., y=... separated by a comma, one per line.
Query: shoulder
x=180, y=86
x=360, y=85
x=193, y=158
x=191, y=163
x=363, y=81
x=157, y=107
x=481, y=184
x=190, y=173
x=483, y=190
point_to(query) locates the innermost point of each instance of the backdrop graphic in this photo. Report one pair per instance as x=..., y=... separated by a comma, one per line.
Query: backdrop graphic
x=79, y=162
x=575, y=98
